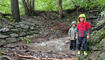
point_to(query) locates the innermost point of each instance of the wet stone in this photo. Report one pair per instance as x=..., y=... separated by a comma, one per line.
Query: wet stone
x=14, y=35
x=3, y=36
x=11, y=40
x=2, y=42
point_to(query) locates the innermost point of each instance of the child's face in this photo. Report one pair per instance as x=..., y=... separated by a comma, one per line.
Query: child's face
x=74, y=25
x=82, y=19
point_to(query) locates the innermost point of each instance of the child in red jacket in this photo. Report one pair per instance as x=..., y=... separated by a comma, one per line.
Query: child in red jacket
x=83, y=33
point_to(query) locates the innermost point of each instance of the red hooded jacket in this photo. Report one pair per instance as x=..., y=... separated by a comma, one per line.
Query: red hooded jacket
x=83, y=28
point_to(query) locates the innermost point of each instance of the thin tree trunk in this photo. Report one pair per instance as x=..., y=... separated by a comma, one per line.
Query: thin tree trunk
x=25, y=7
x=15, y=10
x=29, y=6
x=33, y=4
x=60, y=8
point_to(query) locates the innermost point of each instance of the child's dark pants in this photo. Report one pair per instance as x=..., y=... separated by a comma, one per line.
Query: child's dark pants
x=82, y=41
x=72, y=44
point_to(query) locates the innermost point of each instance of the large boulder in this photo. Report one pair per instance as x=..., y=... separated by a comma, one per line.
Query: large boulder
x=3, y=36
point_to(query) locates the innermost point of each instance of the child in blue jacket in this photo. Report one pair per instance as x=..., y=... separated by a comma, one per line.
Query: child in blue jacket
x=72, y=36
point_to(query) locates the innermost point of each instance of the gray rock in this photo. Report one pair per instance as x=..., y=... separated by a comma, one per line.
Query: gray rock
x=17, y=26
x=18, y=39
x=11, y=40
x=14, y=35
x=3, y=36
x=14, y=30
x=94, y=55
x=31, y=32
x=32, y=28
x=102, y=43
x=0, y=57
x=22, y=34
x=102, y=55
x=10, y=27
x=4, y=30
x=24, y=26
x=2, y=42
x=27, y=23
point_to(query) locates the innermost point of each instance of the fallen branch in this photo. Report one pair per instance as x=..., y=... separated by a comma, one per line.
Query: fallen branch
x=98, y=27
x=94, y=11
x=92, y=17
x=22, y=56
x=34, y=58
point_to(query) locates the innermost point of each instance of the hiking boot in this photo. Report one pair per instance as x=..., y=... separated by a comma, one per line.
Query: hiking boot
x=79, y=53
x=85, y=53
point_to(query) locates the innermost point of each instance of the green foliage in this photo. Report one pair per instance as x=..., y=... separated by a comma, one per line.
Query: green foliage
x=97, y=36
x=100, y=22
x=68, y=4
x=5, y=6
x=52, y=5
x=99, y=58
x=0, y=25
x=1, y=50
x=46, y=5
x=81, y=3
x=27, y=40
x=100, y=4
x=21, y=7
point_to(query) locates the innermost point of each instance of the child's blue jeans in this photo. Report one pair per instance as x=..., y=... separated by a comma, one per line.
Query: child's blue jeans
x=82, y=42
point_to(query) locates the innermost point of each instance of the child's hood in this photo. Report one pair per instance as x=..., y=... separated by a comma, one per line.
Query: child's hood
x=73, y=22
x=81, y=15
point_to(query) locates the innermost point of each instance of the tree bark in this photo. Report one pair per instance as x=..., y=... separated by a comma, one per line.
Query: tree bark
x=29, y=6
x=60, y=8
x=15, y=10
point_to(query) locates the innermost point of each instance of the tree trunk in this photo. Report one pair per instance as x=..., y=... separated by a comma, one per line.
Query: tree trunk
x=15, y=10
x=60, y=8
x=29, y=6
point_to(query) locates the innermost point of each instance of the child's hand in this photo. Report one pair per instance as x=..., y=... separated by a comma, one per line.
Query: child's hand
x=88, y=37
x=76, y=38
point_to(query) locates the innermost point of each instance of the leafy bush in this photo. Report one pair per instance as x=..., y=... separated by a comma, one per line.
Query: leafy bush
x=5, y=6
x=68, y=4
